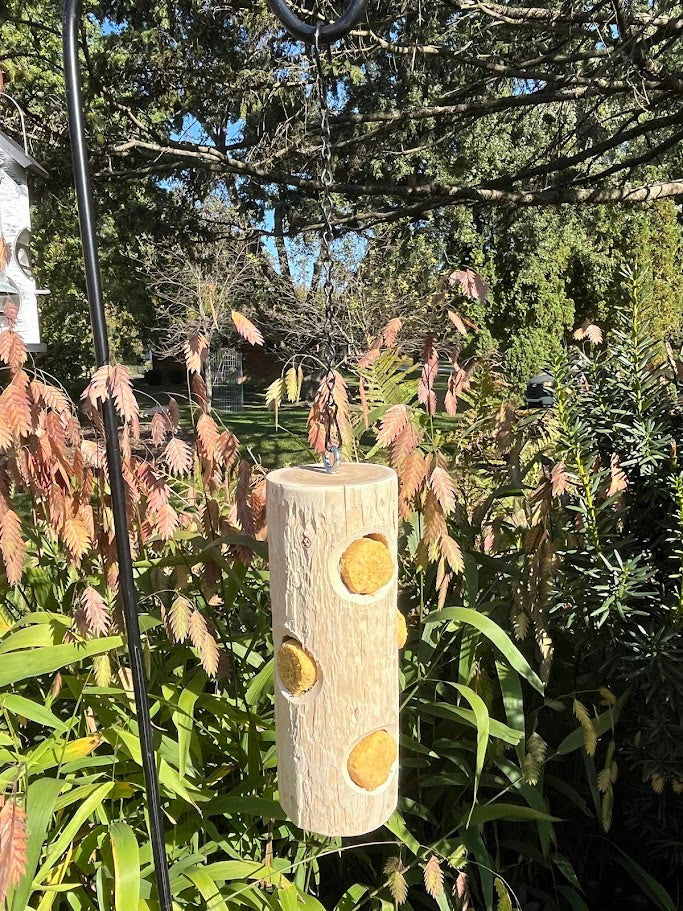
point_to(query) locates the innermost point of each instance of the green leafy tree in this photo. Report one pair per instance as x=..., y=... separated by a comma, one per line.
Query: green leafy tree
x=616, y=607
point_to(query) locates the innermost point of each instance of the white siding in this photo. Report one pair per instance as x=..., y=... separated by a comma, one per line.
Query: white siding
x=15, y=216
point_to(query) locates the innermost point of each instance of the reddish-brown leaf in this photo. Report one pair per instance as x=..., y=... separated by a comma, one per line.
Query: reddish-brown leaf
x=246, y=328
x=456, y=319
x=451, y=399
x=412, y=474
x=393, y=423
x=257, y=505
x=594, y=334
x=319, y=412
x=316, y=428
x=370, y=357
x=121, y=388
x=434, y=525
x=404, y=444
x=559, y=479
x=161, y=426
x=11, y=310
x=12, y=546
x=441, y=484
x=153, y=484
x=443, y=590
x=13, y=846
x=96, y=611
x=93, y=455
x=391, y=331
x=470, y=283
x=173, y=413
x=207, y=435
x=425, y=389
x=50, y=397
x=341, y=397
x=619, y=481
x=12, y=349
x=199, y=391
x=6, y=437
x=76, y=537
x=166, y=521
x=16, y=405
x=97, y=389
x=462, y=890
x=450, y=551
x=178, y=456
x=195, y=350
x=227, y=448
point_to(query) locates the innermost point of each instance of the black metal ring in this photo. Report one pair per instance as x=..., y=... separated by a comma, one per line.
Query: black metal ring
x=328, y=34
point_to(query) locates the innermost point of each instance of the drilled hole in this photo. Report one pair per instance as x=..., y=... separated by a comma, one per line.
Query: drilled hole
x=366, y=565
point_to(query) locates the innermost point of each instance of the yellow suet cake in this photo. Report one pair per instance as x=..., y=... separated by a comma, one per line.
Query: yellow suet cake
x=366, y=566
x=401, y=630
x=370, y=761
x=296, y=668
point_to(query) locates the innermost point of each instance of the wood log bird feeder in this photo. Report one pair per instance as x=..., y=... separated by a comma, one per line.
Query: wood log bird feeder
x=332, y=532
x=332, y=550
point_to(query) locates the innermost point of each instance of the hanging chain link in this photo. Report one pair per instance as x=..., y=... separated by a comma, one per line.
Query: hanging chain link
x=332, y=432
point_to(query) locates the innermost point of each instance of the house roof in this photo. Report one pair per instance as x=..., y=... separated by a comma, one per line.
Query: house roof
x=23, y=159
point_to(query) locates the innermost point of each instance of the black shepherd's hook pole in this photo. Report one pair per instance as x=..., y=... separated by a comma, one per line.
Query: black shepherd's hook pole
x=86, y=216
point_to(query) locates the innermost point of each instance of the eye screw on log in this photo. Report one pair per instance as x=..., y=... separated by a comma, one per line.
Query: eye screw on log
x=86, y=217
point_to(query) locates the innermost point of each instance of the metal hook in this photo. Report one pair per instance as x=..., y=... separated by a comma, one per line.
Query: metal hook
x=331, y=459
x=22, y=118
x=326, y=34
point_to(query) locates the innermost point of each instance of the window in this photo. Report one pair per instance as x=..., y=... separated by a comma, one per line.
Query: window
x=22, y=252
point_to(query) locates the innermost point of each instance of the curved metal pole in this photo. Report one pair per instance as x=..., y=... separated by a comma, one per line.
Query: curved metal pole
x=328, y=34
x=86, y=216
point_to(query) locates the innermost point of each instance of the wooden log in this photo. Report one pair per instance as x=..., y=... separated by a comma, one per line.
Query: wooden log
x=313, y=517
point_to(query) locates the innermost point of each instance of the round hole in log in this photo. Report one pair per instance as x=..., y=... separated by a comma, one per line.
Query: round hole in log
x=296, y=668
x=371, y=761
x=366, y=565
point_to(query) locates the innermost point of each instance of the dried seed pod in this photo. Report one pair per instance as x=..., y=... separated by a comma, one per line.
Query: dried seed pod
x=296, y=668
x=366, y=566
x=370, y=761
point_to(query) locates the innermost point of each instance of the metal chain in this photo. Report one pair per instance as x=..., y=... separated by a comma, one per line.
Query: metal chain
x=332, y=432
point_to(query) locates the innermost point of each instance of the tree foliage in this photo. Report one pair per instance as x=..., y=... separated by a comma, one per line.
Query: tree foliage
x=203, y=127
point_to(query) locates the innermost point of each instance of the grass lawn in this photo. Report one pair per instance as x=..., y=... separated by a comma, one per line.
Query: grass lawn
x=255, y=429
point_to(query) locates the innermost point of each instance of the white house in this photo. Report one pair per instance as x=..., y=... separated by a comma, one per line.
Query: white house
x=15, y=230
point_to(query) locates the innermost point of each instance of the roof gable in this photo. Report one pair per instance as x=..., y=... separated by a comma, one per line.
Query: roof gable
x=24, y=160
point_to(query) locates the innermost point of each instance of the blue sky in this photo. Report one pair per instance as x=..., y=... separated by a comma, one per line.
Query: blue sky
x=192, y=131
